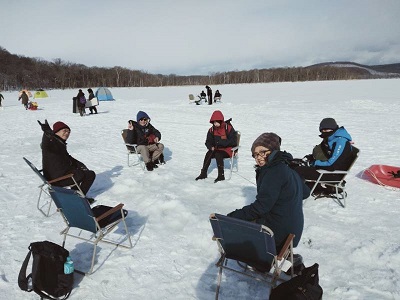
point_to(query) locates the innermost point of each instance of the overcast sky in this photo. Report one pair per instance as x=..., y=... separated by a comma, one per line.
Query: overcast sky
x=187, y=37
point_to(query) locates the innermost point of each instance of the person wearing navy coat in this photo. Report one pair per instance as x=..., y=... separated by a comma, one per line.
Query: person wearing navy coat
x=280, y=192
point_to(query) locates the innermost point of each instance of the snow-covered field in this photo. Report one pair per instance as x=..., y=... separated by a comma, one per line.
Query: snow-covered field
x=173, y=256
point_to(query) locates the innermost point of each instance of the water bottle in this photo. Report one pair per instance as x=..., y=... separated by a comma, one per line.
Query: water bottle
x=68, y=266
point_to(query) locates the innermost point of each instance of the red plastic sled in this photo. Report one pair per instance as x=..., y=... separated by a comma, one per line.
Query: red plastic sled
x=381, y=174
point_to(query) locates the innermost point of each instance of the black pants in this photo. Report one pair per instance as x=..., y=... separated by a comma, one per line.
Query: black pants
x=93, y=109
x=209, y=99
x=84, y=178
x=219, y=156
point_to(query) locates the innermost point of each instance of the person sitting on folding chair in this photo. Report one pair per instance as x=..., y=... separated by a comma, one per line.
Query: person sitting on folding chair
x=280, y=192
x=203, y=96
x=221, y=137
x=217, y=96
x=334, y=153
x=58, y=162
x=147, y=137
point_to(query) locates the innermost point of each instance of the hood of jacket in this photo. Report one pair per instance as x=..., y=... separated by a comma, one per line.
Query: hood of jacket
x=141, y=115
x=217, y=116
x=340, y=133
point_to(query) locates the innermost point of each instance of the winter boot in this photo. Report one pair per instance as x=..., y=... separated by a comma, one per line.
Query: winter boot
x=203, y=175
x=149, y=166
x=219, y=178
x=220, y=174
x=161, y=159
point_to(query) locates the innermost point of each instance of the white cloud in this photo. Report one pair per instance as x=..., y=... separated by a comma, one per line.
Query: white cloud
x=187, y=37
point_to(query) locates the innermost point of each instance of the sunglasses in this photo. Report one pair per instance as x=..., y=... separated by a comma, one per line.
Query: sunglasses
x=143, y=119
x=262, y=153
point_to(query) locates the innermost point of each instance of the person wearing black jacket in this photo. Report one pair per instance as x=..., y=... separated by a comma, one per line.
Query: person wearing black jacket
x=147, y=137
x=92, y=96
x=56, y=160
x=209, y=94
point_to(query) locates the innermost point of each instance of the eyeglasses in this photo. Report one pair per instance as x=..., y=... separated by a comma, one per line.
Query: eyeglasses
x=262, y=153
x=65, y=130
x=143, y=119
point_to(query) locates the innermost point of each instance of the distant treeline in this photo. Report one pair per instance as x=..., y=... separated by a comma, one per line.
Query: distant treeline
x=18, y=72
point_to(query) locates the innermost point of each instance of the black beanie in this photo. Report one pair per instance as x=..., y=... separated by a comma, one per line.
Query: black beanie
x=328, y=123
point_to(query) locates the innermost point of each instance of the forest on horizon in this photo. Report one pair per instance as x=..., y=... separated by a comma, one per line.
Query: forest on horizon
x=19, y=72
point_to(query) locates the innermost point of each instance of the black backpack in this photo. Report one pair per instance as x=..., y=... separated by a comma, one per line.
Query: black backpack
x=48, y=278
x=302, y=287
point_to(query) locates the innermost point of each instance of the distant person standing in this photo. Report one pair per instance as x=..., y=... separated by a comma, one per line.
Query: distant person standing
x=81, y=102
x=1, y=98
x=24, y=99
x=91, y=96
x=209, y=95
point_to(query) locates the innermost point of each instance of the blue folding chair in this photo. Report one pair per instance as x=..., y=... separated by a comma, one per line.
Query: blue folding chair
x=46, y=184
x=99, y=220
x=252, y=245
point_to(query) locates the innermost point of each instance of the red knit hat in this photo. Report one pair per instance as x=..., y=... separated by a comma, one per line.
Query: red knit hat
x=57, y=126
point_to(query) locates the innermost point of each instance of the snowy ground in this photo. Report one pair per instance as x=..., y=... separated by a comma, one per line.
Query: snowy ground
x=173, y=255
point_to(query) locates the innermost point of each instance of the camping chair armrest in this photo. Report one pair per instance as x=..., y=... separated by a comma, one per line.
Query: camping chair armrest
x=132, y=145
x=332, y=172
x=61, y=178
x=289, y=240
x=110, y=212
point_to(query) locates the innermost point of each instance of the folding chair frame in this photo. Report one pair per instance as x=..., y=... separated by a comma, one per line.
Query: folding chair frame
x=277, y=262
x=234, y=159
x=100, y=232
x=217, y=99
x=46, y=185
x=339, y=198
x=198, y=101
x=139, y=160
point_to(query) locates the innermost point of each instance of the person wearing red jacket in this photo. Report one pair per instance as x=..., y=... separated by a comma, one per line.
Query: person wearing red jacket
x=221, y=137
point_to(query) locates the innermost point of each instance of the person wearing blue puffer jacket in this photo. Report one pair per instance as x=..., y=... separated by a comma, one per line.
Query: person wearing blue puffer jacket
x=334, y=153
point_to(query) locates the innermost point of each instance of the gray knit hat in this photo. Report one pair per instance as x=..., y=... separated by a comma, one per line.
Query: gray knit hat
x=268, y=140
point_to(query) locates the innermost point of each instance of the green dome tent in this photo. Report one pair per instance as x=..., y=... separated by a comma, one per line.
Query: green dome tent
x=40, y=94
x=104, y=94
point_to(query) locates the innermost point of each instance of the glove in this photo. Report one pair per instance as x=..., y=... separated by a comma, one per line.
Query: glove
x=309, y=159
x=46, y=127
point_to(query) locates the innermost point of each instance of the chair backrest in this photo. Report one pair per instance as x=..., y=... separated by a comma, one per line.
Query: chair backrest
x=74, y=207
x=238, y=134
x=356, y=152
x=34, y=169
x=244, y=241
x=236, y=149
x=124, y=134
